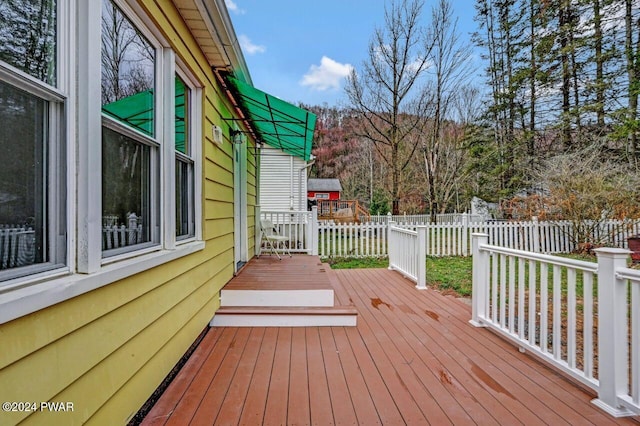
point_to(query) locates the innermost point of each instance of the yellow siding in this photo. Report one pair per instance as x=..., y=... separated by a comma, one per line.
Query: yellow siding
x=107, y=350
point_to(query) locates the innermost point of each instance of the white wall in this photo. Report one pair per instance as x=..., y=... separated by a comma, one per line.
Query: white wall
x=282, y=186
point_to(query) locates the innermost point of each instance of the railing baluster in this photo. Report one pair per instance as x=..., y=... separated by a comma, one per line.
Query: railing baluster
x=557, y=312
x=635, y=342
x=503, y=290
x=512, y=294
x=587, y=336
x=494, y=287
x=532, y=294
x=521, y=297
x=544, y=306
x=571, y=317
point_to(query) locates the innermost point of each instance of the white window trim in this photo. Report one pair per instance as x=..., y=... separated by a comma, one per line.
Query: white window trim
x=89, y=137
x=195, y=146
x=169, y=165
x=158, y=164
x=167, y=66
x=83, y=134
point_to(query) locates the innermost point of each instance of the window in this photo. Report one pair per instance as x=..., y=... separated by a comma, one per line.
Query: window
x=33, y=175
x=322, y=196
x=130, y=153
x=185, y=214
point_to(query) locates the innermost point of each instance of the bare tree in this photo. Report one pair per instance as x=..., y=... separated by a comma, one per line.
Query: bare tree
x=385, y=92
x=441, y=150
x=586, y=190
x=126, y=57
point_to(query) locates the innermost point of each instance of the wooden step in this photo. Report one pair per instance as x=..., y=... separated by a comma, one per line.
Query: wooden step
x=284, y=316
x=277, y=297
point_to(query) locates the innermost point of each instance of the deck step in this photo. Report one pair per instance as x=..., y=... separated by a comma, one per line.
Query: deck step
x=285, y=316
x=277, y=297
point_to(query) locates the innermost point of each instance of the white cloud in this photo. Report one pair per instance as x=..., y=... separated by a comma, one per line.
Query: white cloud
x=327, y=75
x=232, y=6
x=248, y=46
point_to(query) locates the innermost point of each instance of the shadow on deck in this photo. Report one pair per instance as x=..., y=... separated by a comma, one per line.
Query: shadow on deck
x=412, y=359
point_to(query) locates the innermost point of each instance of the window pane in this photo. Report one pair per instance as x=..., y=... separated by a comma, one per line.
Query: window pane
x=23, y=237
x=28, y=37
x=128, y=64
x=182, y=117
x=126, y=191
x=184, y=199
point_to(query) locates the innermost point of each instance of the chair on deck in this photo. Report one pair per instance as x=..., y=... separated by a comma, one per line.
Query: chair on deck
x=270, y=235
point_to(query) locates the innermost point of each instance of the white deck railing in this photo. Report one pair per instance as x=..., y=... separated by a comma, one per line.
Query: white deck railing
x=407, y=253
x=117, y=236
x=619, y=334
x=569, y=313
x=299, y=226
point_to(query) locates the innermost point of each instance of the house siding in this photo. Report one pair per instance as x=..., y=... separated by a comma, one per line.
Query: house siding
x=107, y=350
x=277, y=171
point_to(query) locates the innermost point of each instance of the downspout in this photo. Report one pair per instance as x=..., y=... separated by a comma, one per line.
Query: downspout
x=302, y=206
x=291, y=182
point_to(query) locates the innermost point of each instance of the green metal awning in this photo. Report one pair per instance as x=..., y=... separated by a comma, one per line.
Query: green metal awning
x=277, y=123
x=137, y=111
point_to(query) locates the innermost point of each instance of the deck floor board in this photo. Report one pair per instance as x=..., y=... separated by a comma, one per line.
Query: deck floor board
x=412, y=359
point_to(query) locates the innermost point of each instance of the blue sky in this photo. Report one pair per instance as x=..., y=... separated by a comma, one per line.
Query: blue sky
x=300, y=51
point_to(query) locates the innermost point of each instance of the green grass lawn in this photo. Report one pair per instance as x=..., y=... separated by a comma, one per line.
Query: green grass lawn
x=356, y=262
x=444, y=273
x=451, y=274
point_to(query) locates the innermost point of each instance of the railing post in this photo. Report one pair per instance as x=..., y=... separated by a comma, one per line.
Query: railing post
x=480, y=278
x=391, y=250
x=308, y=231
x=465, y=234
x=421, y=252
x=535, y=230
x=314, y=231
x=612, y=331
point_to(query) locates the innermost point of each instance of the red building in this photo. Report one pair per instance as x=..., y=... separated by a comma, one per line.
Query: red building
x=324, y=189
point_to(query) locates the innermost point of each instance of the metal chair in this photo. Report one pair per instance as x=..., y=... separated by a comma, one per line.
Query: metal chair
x=270, y=235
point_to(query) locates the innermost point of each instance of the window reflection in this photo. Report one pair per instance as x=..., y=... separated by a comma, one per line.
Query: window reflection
x=28, y=37
x=126, y=191
x=181, y=116
x=127, y=71
x=185, y=226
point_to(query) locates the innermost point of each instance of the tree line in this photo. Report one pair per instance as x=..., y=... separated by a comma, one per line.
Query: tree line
x=561, y=80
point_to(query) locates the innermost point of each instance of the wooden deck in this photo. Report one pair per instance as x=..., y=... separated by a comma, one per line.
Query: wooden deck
x=412, y=359
x=269, y=273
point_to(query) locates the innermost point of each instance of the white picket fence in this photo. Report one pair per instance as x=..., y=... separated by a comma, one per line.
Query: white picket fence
x=353, y=239
x=425, y=218
x=407, y=253
x=17, y=246
x=400, y=218
x=574, y=315
x=454, y=239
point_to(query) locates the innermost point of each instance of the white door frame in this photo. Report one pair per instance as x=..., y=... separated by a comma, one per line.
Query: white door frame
x=240, y=229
